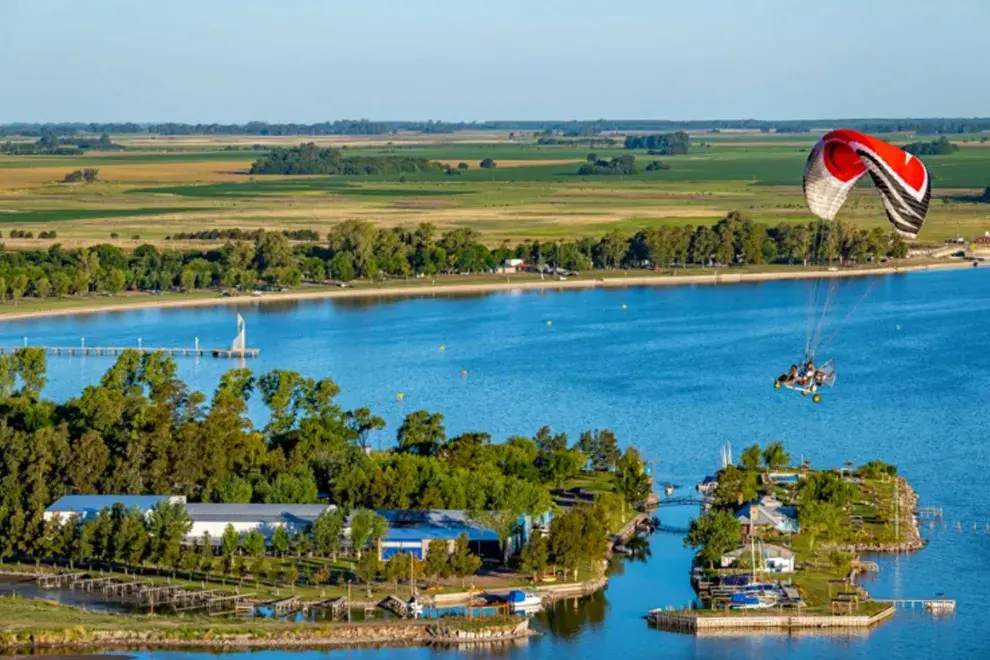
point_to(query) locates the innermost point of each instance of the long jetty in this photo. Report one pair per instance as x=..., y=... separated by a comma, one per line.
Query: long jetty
x=117, y=350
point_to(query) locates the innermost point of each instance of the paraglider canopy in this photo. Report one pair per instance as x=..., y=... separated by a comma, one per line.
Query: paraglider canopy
x=842, y=157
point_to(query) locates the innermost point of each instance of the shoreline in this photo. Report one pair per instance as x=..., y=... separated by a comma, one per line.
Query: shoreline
x=432, y=290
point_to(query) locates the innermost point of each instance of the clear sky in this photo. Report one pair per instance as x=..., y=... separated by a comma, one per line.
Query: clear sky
x=310, y=60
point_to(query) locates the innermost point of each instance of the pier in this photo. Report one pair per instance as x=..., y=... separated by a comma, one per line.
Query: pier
x=934, y=604
x=172, y=351
x=238, y=348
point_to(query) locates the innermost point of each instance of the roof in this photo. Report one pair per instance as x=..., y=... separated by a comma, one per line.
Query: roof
x=256, y=513
x=419, y=524
x=88, y=505
x=769, y=512
x=769, y=551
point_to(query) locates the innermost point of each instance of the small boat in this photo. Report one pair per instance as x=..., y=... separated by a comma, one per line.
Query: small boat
x=523, y=602
x=669, y=489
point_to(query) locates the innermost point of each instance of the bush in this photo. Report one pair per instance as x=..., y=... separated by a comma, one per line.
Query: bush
x=488, y=164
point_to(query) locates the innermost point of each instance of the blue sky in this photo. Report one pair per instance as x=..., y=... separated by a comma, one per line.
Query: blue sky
x=310, y=60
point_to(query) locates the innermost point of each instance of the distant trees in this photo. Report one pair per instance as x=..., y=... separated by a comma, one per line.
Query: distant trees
x=87, y=174
x=939, y=147
x=310, y=159
x=664, y=144
x=614, y=166
x=488, y=164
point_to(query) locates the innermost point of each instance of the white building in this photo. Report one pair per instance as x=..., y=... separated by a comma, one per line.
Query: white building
x=774, y=557
x=212, y=519
x=87, y=506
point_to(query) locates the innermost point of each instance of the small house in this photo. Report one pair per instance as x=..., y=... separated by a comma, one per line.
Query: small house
x=767, y=513
x=774, y=558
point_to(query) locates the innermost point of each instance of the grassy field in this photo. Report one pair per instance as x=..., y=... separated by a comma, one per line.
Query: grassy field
x=163, y=185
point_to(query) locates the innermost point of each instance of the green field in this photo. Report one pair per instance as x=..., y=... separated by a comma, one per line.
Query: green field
x=165, y=185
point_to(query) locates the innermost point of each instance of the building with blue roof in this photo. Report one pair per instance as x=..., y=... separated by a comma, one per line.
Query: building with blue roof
x=87, y=506
x=409, y=531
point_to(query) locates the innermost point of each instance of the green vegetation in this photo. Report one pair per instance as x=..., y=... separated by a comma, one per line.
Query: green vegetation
x=310, y=159
x=141, y=430
x=87, y=174
x=668, y=144
x=835, y=514
x=939, y=147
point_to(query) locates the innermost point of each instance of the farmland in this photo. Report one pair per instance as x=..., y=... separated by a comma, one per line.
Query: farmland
x=160, y=186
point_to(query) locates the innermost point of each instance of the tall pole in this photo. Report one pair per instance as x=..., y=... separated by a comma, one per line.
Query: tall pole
x=348, y=601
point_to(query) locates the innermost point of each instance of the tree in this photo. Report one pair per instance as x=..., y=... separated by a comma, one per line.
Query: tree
x=462, y=561
x=735, y=486
x=436, y=564
x=774, y=456
x=422, y=433
x=535, y=556
x=713, y=534
x=366, y=526
x=397, y=569
x=168, y=523
x=818, y=519
x=630, y=479
x=327, y=531
x=254, y=543
x=362, y=421
x=280, y=540
x=750, y=458
x=503, y=522
x=230, y=541
x=368, y=568
x=31, y=364
x=487, y=164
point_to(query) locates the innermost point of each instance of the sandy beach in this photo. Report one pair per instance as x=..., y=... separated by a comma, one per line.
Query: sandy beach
x=448, y=287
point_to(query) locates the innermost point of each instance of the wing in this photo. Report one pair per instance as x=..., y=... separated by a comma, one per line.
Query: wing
x=841, y=158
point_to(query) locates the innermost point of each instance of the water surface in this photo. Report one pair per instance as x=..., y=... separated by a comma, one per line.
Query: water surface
x=678, y=372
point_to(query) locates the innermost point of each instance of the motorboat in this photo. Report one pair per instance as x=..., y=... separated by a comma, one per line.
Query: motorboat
x=523, y=602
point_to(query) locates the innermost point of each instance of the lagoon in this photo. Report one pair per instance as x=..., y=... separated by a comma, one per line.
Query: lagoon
x=678, y=372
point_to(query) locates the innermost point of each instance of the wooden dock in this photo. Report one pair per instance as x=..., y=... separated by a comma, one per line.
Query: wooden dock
x=171, y=351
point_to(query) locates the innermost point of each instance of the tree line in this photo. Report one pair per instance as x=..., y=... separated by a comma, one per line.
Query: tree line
x=926, y=126
x=358, y=249
x=50, y=144
x=665, y=144
x=237, y=234
x=310, y=159
x=939, y=147
x=142, y=430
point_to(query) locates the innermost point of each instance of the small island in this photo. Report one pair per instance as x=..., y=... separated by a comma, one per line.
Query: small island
x=778, y=545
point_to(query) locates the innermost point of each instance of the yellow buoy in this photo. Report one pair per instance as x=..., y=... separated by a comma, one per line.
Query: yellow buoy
x=400, y=396
x=464, y=372
x=624, y=306
x=549, y=322
x=442, y=347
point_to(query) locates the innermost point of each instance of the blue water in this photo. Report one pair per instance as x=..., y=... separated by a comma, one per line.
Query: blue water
x=678, y=373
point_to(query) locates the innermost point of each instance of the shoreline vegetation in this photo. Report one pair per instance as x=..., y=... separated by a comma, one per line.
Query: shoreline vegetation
x=456, y=285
